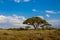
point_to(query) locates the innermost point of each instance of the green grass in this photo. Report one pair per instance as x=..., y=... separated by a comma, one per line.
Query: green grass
x=53, y=34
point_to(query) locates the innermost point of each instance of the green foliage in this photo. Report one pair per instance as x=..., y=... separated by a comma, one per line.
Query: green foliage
x=33, y=20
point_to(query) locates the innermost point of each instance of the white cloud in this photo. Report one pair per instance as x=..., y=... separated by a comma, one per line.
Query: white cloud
x=47, y=15
x=50, y=11
x=11, y=21
x=17, y=1
x=34, y=10
x=26, y=0
x=41, y=17
x=55, y=23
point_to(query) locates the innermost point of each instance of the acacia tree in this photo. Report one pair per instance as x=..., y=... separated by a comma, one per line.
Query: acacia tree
x=35, y=21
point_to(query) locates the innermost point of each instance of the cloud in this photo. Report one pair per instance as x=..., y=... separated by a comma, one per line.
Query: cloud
x=11, y=21
x=41, y=17
x=47, y=15
x=50, y=11
x=26, y=0
x=34, y=10
x=17, y=1
x=55, y=23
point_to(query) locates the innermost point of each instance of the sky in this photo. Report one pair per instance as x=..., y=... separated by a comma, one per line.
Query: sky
x=14, y=12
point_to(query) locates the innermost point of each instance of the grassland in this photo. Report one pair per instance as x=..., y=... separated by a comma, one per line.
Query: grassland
x=30, y=34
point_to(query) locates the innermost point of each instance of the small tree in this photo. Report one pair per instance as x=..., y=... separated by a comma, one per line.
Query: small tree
x=35, y=21
x=46, y=26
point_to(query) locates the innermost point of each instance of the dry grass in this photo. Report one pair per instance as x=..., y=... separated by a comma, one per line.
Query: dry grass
x=30, y=35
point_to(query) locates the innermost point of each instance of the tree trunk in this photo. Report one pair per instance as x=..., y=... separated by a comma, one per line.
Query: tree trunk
x=35, y=27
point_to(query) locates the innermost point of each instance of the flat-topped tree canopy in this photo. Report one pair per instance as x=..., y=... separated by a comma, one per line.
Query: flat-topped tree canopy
x=35, y=21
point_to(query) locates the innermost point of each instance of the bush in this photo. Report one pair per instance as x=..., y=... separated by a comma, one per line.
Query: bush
x=21, y=28
x=5, y=34
x=27, y=27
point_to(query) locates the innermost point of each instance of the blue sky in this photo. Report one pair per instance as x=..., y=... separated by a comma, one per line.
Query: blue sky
x=48, y=9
